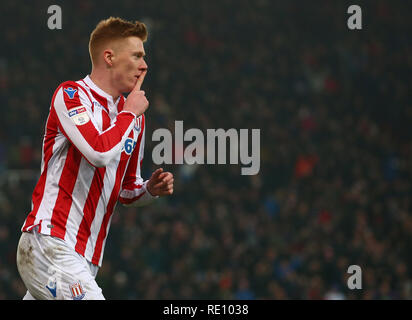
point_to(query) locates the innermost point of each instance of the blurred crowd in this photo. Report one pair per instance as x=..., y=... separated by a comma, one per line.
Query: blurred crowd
x=334, y=109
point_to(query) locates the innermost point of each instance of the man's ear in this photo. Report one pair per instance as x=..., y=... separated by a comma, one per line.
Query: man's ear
x=108, y=56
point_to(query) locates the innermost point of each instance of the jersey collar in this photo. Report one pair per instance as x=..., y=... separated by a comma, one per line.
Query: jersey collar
x=99, y=91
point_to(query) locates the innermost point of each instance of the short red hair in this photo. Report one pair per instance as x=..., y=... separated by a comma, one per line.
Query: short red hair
x=113, y=29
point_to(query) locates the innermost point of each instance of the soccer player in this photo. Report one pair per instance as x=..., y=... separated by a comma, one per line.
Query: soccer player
x=91, y=158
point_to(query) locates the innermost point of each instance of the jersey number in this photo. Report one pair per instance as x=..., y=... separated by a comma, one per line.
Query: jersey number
x=129, y=145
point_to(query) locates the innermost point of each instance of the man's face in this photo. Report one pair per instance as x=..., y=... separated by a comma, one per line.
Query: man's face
x=128, y=63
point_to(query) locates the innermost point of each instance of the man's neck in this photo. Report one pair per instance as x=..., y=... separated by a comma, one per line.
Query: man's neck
x=103, y=82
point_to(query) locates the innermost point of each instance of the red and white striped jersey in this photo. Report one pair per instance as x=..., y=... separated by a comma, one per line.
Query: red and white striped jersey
x=91, y=158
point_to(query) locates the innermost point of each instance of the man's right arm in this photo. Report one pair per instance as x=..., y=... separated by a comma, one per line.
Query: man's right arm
x=74, y=113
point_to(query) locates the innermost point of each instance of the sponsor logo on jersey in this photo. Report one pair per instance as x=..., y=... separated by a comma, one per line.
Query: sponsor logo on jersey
x=77, y=291
x=51, y=286
x=70, y=92
x=77, y=111
x=79, y=115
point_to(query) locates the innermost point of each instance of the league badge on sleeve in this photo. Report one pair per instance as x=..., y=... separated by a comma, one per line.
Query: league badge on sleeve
x=79, y=115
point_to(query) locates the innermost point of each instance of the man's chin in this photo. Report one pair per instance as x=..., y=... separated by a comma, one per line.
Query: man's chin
x=127, y=90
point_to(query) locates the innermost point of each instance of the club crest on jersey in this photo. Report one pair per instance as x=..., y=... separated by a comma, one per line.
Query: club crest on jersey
x=77, y=291
x=70, y=92
x=79, y=115
x=138, y=126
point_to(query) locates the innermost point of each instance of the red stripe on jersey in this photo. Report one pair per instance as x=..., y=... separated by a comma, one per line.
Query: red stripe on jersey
x=130, y=177
x=110, y=206
x=105, y=115
x=99, y=98
x=48, y=143
x=89, y=210
x=103, y=101
x=64, y=198
x=106, y=120
x=36, y=198
x=120, y=104
x=87, y=94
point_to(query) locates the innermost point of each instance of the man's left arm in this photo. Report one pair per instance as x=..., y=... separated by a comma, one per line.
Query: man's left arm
x=135, y=191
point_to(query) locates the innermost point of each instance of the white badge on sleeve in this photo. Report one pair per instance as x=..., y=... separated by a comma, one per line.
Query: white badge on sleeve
x=79, y=115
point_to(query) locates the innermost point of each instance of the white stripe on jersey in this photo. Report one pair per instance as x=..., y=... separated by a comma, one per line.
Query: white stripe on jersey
x=108, y=185
x=80, y=193
x=54, y=172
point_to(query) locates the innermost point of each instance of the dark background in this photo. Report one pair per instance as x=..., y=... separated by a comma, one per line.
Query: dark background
x=334, y=109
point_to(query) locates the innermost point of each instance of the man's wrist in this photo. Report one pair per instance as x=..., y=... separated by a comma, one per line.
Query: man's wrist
x=150, y=192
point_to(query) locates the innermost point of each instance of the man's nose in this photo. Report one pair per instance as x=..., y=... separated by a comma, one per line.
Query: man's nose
x=143, y=66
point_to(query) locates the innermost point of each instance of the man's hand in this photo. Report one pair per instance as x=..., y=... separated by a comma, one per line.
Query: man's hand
x=160, y=183
x=136, y=101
